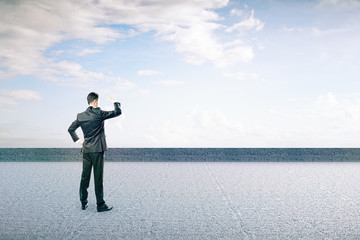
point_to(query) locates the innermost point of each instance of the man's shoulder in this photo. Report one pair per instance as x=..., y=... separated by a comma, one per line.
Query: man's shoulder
x=84, y=113
x=89, y=113
x=81, y=113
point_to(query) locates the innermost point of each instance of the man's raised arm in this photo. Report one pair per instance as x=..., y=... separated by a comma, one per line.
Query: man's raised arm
x=111, y=114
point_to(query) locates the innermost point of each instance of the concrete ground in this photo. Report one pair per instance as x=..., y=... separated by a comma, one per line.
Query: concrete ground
x=169, y=200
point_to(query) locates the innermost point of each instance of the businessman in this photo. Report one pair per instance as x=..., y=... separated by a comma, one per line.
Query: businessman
x=92, y=124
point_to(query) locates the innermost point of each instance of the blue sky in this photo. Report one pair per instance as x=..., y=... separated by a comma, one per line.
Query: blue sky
x=204, y=73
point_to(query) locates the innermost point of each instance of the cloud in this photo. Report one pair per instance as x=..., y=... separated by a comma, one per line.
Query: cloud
x=11, y=97
x=57, y=52
x=65, y=73
x=118, y=84
x=148, y=73
x=340, y=3
x=200, y=127
x=29, y=28
x=141, y=93
x=213, y=120
x=248, y=24
x=170, y=82
x=330, y=109
x=241, y=75
x=88, y=51
x=237, y=12
x=291, y=29
x=213, y=128
x=328, y=100
x=320, y=33
x=326, y=121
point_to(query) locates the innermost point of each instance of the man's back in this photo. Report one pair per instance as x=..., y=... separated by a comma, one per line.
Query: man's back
x=91, y=122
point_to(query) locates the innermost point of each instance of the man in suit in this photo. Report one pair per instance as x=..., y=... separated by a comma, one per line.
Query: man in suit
x=92, y=124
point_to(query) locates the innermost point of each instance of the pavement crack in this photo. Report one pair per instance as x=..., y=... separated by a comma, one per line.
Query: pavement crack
x=121, y=183
x=227, y=199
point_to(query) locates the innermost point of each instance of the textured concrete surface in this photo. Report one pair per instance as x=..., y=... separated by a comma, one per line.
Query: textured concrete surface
x=168, y=200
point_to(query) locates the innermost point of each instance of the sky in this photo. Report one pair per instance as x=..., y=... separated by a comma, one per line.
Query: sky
x=188, y=73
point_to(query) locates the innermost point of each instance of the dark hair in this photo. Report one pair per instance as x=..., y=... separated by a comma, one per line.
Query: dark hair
x=92, y=96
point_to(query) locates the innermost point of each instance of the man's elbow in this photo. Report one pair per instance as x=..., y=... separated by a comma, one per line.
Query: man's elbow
x=118, y=113
x=71, y=130
x=73, y=135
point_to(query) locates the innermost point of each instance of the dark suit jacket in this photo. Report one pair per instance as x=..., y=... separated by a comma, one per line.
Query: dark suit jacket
x=92, y=124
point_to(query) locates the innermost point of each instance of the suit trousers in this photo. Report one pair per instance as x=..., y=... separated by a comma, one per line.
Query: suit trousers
x=90, y=160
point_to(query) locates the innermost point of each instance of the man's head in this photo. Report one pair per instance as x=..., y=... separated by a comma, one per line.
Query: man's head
x=92, y=99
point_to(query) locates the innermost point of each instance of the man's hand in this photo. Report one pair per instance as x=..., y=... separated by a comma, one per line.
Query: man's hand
x=79, y=142
x=111, y=99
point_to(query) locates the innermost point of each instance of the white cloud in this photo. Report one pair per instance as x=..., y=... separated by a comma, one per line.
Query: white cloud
x=16, y=96
x=236, y=54
x=141, y=93
x=57, y=52
x=340, y=3
x=213, y=128
x=72, y=74
x=199, y=127
x=331, y=110
x=170, y=82
x=329, y=1
x=319, y=33
x=148, y=73
x=29, y=28
x=325, y=122
x=247, y=24
x=69, y=74
x=241, y=75
x=236, y=12
x=213, y=120
x=328, y=100
x=289, y=29
x=119, y=84
x=88, y=51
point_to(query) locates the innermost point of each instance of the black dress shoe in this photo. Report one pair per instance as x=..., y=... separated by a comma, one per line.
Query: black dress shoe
x=84, y=206
x=104, y=208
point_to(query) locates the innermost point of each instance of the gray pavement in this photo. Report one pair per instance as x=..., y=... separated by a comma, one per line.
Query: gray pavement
x=169, y=200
